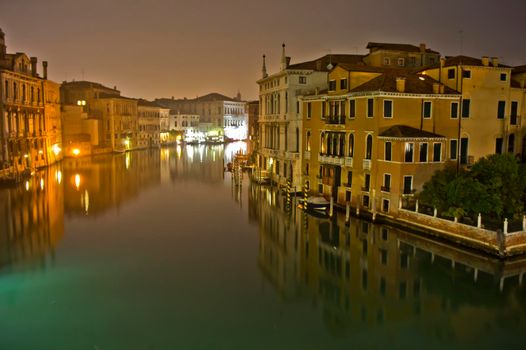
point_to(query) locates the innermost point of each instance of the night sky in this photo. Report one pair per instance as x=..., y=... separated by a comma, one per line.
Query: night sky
x=164, y=48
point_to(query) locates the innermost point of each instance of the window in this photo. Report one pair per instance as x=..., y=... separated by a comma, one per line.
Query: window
x=388, y=150
x=349, y=179
x=351, y=145
x=466, y=74
x=454, y=110
x=408, y=152
x=401, y=62
x=323, y=109
x=387, y=61
x=464, y=145
x=423, y=152
x=309, y=110
x=437, y=152
x=498, y=145
x=369, y=146
x=343, y=84
x=388, y=109
x=342, y=108
x=501, y=109
x=370, y=106
x=503, y=76
x=513, y=114
x=451, y=73
x=387, y=183
x=297, y=106
x=465, y=108
x=352, y=108
x=511, y=143
x=453, y=149
x=367, y=182
x=408, y=184
x=427, y=109
x=307, y=144
x=6, y=89
x=332, y=85
x=302, y=80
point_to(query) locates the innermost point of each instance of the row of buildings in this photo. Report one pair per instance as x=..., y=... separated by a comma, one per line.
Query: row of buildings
x=43, y=121
x=371, y=129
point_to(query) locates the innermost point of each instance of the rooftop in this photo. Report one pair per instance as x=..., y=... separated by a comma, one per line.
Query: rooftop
x=398, y=47
x=320, y=64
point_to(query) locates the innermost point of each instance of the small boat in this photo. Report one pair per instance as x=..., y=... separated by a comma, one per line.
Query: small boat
x=316, y=203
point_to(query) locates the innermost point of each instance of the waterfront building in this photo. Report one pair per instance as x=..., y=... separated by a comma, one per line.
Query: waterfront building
x=80, y=133
x=29, y=114
x=221, y=117
x=253, y=117
x=377, y=135
x=149, y=121
x=280, y=122
x=164, y=118
x=186, y=127
x=117, y=115
x=491, y=108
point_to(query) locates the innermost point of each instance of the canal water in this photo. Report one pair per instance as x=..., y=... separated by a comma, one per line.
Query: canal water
x=160, y=249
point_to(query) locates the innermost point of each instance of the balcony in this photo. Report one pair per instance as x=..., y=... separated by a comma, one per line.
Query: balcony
x=335, y=160
x=348, y=161
x=385, y=189
x=366, y=164
x=290, y=155
x=365, y=189
x=409, y=191
x=306, y=155
x=335, y=120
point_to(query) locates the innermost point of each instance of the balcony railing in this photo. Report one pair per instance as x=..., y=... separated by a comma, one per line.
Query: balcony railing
x=386, y=189
x=291, y=155
x=409, y=191
x=336, y=160
x=347, y=184
x=365, y=189
x=366, y=164
x=338, y=120
x=348, y=161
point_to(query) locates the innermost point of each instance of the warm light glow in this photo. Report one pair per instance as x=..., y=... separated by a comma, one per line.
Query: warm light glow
x=26, y=155
x=127, y=143
x=75, y=151
x=77, y=181
x=127, y=160
x=421, y=78
x=179, y=151
x=56, y=149
x=40, y=152
x=41, y=184
x=27, y=185
x=271, y=161
x=58, y=176
x=81, y=102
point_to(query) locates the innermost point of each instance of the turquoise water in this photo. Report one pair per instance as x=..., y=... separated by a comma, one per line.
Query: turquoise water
x=160, y=250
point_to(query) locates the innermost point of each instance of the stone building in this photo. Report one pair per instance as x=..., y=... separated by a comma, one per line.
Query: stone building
x=185, y=126
x=149, y=119
x=29, y=115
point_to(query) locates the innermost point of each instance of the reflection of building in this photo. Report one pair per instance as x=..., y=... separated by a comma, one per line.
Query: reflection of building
x=253, y=117
x=366, y=276
x=30, y=114
x=220, y=116
x=32, y=217
x=97, y=184
x=196, y=163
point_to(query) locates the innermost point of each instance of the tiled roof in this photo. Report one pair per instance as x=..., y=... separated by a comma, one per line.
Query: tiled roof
x=464, y=61
x=320, y=64
x=404, y=131
x=414, y=83
x=106, y=95
x=397, y=47
x=214, y=96
x=86, y=84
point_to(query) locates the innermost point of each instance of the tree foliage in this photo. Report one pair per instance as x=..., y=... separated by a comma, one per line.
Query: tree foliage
x=494, y=186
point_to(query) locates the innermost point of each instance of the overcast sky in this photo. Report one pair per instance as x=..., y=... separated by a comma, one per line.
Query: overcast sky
x=164, y=48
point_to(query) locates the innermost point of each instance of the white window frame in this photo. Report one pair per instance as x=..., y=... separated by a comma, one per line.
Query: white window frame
x=420, y=151
x=401, y=62
x=390, y=180
x=451, y=109
x=405, y=151
x=430, y=109
x=450, y=148
x=367, y=108
x=441, y=151
x=403, y=183
x=392, y=108
x=387, y=61
x=385, y=151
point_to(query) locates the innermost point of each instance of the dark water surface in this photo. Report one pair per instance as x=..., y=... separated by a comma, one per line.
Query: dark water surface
x=159, y=250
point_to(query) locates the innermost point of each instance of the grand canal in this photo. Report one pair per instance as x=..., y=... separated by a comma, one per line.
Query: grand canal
x=160, y=250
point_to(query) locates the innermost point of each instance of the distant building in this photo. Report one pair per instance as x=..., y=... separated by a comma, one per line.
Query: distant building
x=253, y=117
x=149, y=120
x=221, y=117
x=30, y=115
x=185, y=126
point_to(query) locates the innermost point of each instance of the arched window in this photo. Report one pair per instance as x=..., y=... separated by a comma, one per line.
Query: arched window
x=342, y=145
x=369, y=146
x=322, y=143
x=307, y=143
x=334, y=145
x=351, y=145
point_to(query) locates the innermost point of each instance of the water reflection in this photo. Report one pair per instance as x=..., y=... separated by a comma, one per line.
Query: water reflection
x=374, y=276
x=31, y=220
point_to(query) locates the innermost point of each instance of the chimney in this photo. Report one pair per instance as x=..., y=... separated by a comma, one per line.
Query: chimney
x=283, y=58
x=287, y=59
x=422, y=48
x=442, y=88
x=34, y=62
x=400, y=84
x=264, y=68
x=485, y=61
x=44, y=68
x=495, y=61
x=442, y=61
x=436, y=88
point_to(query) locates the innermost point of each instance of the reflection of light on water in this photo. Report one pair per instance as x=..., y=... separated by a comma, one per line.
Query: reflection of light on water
x=190, y=153
x=128, y=160
x=201, y=153
x=179, y=151
x=77, y=181
x=27, y=185
x=41, y=184
x=84, y=201
x=165, y=154
x=269, y=197
x=58, y=176
x=234, y=147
